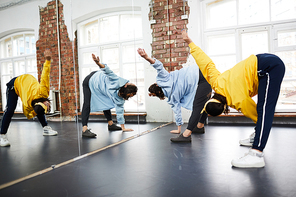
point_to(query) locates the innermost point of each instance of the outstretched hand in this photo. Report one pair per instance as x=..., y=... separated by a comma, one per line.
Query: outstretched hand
x=47, y=54
x=142, y=53
x=97, y=61
x=186, y=37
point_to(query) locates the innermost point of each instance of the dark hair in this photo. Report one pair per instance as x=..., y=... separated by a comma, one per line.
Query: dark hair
x=154, y=88
x=39, y=100
x=215, y=109
x=129, y=89
x=38, y=108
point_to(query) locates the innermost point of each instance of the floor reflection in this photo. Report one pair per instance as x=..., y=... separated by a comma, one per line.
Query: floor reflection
x=30, y=151
x=151, y=165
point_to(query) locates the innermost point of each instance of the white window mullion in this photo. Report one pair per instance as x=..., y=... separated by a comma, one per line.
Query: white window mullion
x=111, y=40
x=252, y=37
x=237, y=12
x=272, y=39
x=120, y=60
x=16, y=42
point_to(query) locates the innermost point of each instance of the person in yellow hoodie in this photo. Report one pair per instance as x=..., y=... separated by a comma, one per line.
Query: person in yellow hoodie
x=260, y=75
x=34, y=96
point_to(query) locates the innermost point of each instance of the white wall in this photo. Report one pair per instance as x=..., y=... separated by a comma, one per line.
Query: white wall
x=26, y=17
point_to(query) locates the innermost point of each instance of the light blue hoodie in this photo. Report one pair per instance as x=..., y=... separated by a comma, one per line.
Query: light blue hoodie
x=104, y=86
x=178, y=86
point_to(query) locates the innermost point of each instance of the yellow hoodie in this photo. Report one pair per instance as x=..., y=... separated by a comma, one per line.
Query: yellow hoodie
x=28, y=89
x=238, y=84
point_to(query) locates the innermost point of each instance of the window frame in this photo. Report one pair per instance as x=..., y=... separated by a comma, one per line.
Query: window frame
x=24, y=57
x=272, y=28
x=84, y=47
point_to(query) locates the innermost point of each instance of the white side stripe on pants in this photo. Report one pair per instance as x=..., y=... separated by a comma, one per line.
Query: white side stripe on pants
x=263, y=114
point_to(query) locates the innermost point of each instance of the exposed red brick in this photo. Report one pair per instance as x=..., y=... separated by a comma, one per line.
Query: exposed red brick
x=167, y=43
x=48, y=39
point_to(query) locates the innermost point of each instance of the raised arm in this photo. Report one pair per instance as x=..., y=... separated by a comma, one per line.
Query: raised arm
x=97, y=61
x=204, y=62
x=144, y=55
x=44, y=81
x=110, y=74
x=161, y=71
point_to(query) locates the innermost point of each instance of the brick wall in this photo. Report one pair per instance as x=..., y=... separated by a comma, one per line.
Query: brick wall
x=48, y=39
x=167, y=43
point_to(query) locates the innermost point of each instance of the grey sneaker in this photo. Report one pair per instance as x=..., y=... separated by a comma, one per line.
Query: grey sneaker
x=252, y=159
x=198, y=130
x=181, y=138
x=3, y=140
x=114, y=127
x=47, y=130
x=249, y=141
x=88, y=133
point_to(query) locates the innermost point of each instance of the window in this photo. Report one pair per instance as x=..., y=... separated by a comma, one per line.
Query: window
x=17, y=57
x=115, y=39
x=221, y=49
x=253, y=42
x=235, y=29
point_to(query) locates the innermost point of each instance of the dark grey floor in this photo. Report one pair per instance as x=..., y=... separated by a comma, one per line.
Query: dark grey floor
x=31, y=152
x=150, y=165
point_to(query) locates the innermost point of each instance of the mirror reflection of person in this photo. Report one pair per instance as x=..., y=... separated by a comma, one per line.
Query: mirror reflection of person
x=34, y=96
x=102, y=91
x=260, y=75
x=184, y=88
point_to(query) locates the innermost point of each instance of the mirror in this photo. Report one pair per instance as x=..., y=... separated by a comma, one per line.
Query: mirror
x=114, y=31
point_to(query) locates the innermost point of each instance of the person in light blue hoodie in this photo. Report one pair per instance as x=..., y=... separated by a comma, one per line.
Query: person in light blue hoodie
x=102, y=91
x=185, y=88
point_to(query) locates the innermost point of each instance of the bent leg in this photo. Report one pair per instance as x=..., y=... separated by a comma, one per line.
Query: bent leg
x=203, y=93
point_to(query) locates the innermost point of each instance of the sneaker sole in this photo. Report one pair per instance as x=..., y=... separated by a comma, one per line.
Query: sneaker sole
x=195, y=132
x=181, y=141
x=114, y=129
x=4, y=145
x=245, y=144
x=46, y=134
x=258, y=165
x=94, y=136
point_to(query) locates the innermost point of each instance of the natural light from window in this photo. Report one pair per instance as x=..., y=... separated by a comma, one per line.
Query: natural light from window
x=235, y=29
x=115, y=39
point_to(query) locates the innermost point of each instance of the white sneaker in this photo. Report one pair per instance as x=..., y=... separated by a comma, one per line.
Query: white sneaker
x=252, y=159
x=249, y=141
x=47, y=130
x=3, y=140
